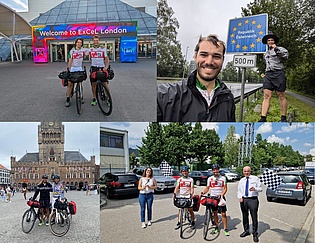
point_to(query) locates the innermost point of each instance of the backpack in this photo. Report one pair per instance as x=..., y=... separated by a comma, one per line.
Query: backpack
x=72, y=207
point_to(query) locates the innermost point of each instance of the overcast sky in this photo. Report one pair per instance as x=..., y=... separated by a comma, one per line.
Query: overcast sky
x=204, y=17
x=18, y=137
x=299, y=135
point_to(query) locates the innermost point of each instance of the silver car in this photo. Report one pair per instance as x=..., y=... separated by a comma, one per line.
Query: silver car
x=295, y=186
x=164, y=183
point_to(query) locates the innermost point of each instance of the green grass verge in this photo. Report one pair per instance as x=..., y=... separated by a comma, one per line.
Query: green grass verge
x=303, y=112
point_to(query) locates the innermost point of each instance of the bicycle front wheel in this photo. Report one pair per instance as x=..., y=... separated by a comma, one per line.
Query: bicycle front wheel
x=78, y=97
x=59, y=223
x=28, y=220
x=104, y=99
x=182, y=219
x=206, y=223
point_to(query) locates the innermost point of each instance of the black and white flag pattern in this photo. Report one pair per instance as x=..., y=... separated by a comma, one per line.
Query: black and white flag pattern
x=270, y=179
x=166, y=169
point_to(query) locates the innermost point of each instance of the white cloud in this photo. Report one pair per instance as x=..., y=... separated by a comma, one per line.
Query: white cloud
x=210, y=126
x=276, y=139
x=294, y=140
x=265, y=128
x=307, y=145
x=312, y=151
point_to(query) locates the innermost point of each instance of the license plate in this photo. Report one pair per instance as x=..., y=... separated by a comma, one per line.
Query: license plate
x=129, y=185
x=283, y=192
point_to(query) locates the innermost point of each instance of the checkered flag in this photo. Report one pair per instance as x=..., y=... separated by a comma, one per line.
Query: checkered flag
x=270, y=179
x=165, y=168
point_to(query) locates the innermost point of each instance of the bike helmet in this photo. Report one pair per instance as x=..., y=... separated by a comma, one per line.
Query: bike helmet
x=215, y=166
x=184, y=168
x=56, y=176
x=45, y=176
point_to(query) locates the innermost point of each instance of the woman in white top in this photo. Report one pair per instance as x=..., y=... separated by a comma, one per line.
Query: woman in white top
x=146, y=186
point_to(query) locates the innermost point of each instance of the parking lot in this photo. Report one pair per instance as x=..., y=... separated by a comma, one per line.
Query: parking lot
x=85, y=225
x=280, y=221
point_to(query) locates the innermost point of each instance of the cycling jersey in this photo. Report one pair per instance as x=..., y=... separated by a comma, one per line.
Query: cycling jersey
x=216, y=185
x=97, y=56
x=44, y=191
x=77, y=59
x=58, y=190
x=185, y=185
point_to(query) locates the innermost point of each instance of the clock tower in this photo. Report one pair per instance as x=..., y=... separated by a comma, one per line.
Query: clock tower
x=51, y=143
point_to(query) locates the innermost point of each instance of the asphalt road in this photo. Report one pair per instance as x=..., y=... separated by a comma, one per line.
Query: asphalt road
x=33, y=92
x=278, y=221
x=84, y=228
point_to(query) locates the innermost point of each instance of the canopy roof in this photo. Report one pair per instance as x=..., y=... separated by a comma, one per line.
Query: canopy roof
x=10, y=22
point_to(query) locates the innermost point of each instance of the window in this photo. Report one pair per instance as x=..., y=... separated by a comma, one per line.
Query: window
x=87, y=175
x=68, y=175
x=111, y=140
x=81, y=175
x=16, y=176
x=31, y=176
x=24, y=176
x=36, y=176
x=74, y=175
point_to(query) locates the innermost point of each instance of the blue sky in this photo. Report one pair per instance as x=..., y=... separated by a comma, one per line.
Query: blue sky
x=18, y=5
x=18, y=137
x=299, y=135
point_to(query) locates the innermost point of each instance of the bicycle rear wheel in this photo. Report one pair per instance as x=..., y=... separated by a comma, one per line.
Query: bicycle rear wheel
x=59, y=223
x=104, y=99
x=206, y=223
x=78, y=97
x=28, y=220
x=182, y=219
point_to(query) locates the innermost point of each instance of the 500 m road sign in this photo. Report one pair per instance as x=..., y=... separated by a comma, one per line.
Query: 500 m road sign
x=244, y=61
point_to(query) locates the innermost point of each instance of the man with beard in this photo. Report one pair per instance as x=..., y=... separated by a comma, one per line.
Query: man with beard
x=203, y=97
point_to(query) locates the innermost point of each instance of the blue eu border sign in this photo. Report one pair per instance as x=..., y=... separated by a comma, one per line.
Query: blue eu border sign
x=245, y=34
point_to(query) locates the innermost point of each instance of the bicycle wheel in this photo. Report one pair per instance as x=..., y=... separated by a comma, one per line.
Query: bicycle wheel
x=104, y=99
x=182, y=219
x=59, y=223
x=78, y=97
x=28, y=220
x=206, y=223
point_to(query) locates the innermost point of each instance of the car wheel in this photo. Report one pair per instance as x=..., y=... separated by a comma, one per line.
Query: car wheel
x=198, y=183
x=269, y=199
x=107, y=194
x=303, y=201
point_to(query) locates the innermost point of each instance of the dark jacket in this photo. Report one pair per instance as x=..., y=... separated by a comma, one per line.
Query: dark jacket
x=44, y=192
x=182, y=102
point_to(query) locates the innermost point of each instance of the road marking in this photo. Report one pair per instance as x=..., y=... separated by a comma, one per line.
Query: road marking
x=280, y=221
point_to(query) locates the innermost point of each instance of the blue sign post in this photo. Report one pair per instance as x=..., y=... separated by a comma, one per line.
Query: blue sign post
x=245, y=34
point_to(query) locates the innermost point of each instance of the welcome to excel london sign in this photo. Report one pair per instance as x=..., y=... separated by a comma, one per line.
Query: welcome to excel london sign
x=245, y=34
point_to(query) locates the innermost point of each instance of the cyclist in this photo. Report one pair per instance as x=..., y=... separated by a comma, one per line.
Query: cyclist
x=218, y=188
x=76, y=55
x=185, y=187
x=97, y=54
x=44, y=188
x=58, y=190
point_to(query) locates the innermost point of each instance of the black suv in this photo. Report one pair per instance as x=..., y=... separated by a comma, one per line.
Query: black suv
x=119, y=183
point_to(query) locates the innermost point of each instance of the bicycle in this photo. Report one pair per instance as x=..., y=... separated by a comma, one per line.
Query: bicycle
x=103, y=95
x=183, y=204
x=60, y=219
x=77, y=78
x=209, y=215
x=30, y=215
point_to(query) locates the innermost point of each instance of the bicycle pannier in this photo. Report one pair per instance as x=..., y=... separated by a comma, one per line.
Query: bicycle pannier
x=196, y=204
x=34, y=204
x=72, y=207
x=209, y=201
x=110, y=73
x=182, y=202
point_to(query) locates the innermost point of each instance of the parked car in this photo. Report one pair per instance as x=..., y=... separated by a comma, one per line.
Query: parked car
x=310, y=174
x=164, y=183
x=199, y=177
x=295, y=186
x=176, y=174
x=230, y=176
x=119, y=183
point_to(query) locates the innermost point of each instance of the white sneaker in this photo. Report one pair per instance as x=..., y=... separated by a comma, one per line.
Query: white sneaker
x=149, y=223
x=143, y=225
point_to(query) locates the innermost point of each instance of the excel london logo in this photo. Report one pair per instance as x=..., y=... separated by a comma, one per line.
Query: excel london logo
x=245, y=34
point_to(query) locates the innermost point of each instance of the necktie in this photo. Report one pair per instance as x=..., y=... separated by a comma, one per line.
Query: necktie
x=246, y=187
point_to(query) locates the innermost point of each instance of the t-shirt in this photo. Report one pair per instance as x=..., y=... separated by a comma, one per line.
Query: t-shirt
x=97, y=56
x=149, y=182
x=216, y=185
x=77, y=59
x=184, y=185
x=58, y=190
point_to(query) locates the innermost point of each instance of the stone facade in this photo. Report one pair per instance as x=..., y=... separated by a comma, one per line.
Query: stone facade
x=74, y=169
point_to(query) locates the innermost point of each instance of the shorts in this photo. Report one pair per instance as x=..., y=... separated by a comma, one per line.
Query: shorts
x=53, y=202
x=220, y=209
x=44, y=203
x=275, y=80
x=94, y=69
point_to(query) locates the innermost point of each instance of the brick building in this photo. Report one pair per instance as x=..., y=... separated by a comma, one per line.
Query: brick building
x=74, y=169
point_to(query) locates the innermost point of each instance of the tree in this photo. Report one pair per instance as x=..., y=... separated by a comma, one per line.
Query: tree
x=231, y=145
x=229, y=73
x=133, y=160
x=152, y=149
x=170, y=61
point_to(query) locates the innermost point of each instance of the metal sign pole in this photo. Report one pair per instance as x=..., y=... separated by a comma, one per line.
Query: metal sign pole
x=242, y=95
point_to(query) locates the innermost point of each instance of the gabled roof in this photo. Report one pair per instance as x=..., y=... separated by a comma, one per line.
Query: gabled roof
x=87, y=11
x=30, y=157
x=3, y=167
x=7, y=16
x=74, y=156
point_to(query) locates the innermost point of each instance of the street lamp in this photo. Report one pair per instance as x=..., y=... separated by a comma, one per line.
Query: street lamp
x=185, y=62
